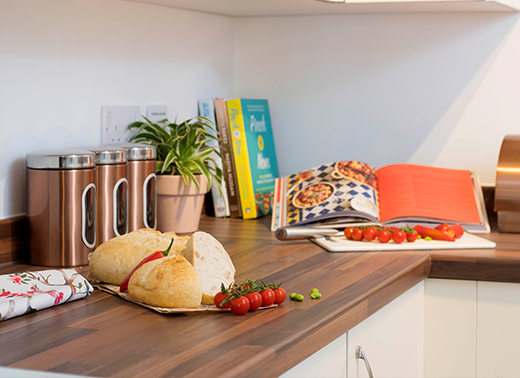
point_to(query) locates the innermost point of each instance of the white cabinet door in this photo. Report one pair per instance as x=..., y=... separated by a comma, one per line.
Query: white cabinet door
x=330, y=361
x=498, y=329
x=450, y=328
x=392, y=339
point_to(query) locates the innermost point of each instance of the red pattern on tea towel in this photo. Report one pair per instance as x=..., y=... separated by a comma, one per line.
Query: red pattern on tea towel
x=26, y=292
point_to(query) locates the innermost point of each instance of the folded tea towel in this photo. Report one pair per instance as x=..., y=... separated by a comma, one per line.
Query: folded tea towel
x=26, y=292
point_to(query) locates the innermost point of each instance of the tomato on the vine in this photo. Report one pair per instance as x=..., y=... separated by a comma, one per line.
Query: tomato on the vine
x=240, y=305
x=357, y=234
x=255, y=300
x=399, y=236
x=280, y=295
x=348, y=232
x=219, y=298
x=411, y=236
x=370, y=233
x=383, y=236
x=268, y=297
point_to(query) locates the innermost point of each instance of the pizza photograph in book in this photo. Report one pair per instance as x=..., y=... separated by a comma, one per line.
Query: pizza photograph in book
x=397, y=195
x=228, y=161
x=219, y=196
x=254, y=152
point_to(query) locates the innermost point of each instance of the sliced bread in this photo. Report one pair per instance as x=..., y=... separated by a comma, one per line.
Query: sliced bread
x=166, y=282
x=211, y=262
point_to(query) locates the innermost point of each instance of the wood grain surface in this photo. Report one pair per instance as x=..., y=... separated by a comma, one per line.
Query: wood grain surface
x=14, y=240
x=106, y=336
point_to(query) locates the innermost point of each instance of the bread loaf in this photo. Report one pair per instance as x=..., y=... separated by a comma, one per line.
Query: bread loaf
x=166, y=282
x=113, y=260
x=211, y=262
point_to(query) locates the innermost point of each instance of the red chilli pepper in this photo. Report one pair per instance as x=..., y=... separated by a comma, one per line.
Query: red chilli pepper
x=154, y=256
x=433, y=233
x=457, y=229
x=446, y=229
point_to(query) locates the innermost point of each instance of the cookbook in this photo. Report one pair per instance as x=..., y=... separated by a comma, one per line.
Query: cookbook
x=352, y=192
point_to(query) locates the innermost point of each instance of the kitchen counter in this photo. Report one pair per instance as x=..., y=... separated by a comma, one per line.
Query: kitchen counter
x=106, y=336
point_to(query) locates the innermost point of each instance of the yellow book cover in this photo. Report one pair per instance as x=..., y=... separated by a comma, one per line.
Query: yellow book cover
x=254, y=152
x=240, y=152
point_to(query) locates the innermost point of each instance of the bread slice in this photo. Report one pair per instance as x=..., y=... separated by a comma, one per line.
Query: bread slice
x=212, y=263
x=113, y=260
x=166, y=282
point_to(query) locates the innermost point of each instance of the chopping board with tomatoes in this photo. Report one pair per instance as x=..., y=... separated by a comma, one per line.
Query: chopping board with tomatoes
x=371, y=238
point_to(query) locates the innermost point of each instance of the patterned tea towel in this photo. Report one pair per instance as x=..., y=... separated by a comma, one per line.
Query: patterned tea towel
x=26, y=292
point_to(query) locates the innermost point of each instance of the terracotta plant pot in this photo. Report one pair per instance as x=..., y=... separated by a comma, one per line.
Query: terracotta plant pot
x=179, y=206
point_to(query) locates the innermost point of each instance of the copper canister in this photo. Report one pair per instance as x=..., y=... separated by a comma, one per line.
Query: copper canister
x=507, y=188
x=61, y=207
x=112, y=192
x=142, y=186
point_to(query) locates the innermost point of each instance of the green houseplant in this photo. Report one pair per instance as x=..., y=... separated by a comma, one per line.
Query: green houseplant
x=185, y=168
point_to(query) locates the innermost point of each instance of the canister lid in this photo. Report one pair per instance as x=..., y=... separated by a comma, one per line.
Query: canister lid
x=108, y=154
x=139, y=151
x=60, y=159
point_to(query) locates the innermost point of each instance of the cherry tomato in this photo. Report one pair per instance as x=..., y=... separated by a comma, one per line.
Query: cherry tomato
x=357, y=234
x=219, y=298
x=268, y=297
x=348, y=232
x=255, y=300
x=399, y=236
x=383, y=236
x=370, y=233
x=240, y=305
x=412, y=236
x=280, y=295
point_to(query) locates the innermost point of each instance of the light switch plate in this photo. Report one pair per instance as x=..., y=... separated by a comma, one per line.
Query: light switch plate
x=156, y=113
x=114, y=122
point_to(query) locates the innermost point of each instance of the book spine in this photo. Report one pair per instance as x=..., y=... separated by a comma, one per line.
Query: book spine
x=207, y=109
x=241, y=154
x=227, y=159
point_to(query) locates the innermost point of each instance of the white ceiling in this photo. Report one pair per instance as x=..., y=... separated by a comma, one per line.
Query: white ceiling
x=252, y=8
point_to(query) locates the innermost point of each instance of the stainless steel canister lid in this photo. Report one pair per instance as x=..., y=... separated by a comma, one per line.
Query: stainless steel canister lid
x=139, y=151
x=61, y=159
x=108, y=154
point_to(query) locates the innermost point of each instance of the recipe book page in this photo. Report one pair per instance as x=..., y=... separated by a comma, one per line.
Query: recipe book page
x=407, y=190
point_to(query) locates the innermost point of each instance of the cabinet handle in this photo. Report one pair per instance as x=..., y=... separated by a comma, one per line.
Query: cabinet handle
x=361, y=355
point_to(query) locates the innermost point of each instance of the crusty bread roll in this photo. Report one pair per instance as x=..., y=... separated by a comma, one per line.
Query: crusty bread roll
x=113, y=260
x=166, y=282
x=212, y=263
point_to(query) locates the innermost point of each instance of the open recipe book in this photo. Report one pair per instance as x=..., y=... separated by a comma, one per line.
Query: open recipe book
x=350, y=192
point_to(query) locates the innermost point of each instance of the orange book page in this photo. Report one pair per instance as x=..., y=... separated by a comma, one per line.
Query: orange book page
x=407, y=190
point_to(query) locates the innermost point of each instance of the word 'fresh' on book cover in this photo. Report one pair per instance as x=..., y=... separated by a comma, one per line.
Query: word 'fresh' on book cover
x=255, y=155
x=220, y=203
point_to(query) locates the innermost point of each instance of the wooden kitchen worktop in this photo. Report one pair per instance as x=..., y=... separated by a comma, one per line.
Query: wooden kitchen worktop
x=104, y=335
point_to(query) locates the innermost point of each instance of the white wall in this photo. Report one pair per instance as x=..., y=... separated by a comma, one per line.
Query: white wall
x=437, y=89
x=433, y=89
x=61, y=60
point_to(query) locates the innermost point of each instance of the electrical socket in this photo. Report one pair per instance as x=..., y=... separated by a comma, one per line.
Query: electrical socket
x=156, y=113
x=114, y=121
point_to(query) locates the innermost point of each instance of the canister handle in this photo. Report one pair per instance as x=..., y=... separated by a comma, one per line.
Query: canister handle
x=145, y=201
x=116, y=204
x=88, y=212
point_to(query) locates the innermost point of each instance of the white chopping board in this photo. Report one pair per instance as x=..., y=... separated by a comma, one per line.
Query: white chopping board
x=341, y=244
